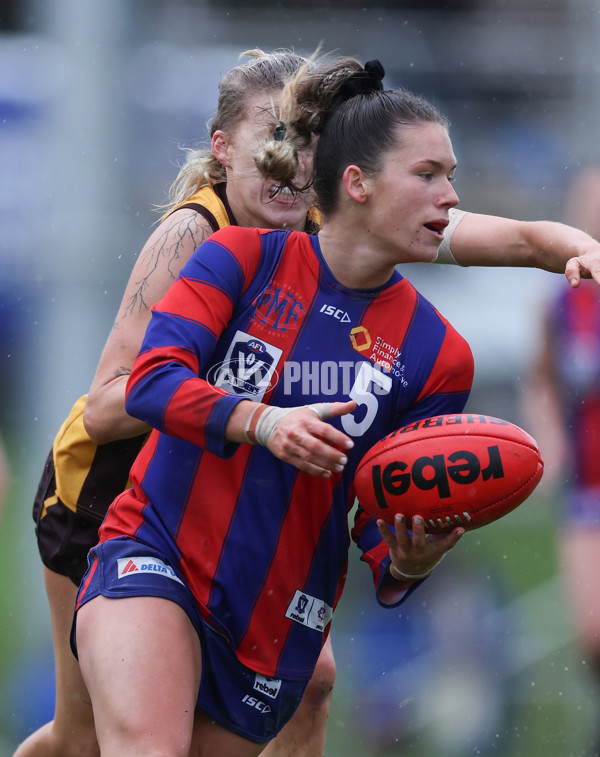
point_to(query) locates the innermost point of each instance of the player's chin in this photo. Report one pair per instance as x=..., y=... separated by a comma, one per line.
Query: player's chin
x=431, y=241
x=426, y=253
x=286, y=217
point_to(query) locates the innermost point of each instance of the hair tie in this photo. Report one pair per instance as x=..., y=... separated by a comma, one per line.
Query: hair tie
x=370, y=79
x=279, y=132
x=376, y=73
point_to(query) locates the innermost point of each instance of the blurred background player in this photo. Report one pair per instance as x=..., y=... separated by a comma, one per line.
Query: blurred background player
x=563, y=405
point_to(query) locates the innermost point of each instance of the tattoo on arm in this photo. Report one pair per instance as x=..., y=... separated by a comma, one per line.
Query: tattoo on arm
x=187, y=232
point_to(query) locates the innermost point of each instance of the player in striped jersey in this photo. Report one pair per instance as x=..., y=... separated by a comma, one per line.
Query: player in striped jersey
x=82, y=476
x=229, y=553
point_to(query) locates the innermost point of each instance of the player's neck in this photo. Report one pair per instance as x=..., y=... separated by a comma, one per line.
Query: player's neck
x=351, y=256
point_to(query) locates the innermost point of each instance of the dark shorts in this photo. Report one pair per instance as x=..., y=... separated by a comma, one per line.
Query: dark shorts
x=245, y=702
x=64, y=537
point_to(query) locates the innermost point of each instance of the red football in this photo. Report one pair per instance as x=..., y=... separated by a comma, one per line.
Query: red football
x=454, y=470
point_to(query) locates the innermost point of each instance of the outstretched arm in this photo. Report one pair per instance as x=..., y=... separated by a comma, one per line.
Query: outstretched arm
x=484, y=240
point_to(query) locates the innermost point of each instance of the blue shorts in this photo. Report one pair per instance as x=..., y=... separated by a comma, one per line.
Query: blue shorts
x=250, y=704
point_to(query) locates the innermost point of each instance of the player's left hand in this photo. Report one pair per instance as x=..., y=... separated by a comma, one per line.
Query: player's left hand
x=584, y=266
x=417, y=555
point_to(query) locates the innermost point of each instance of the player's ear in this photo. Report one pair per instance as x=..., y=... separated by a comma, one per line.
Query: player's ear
x=355, y=183
x=221, y=148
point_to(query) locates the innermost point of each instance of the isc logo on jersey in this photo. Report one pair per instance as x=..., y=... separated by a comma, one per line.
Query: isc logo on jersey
x=340, y=315
x=248, y=367
x=133, y=566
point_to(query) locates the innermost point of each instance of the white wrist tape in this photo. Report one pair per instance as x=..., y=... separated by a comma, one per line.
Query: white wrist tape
x=267, y=422
x=321, y=409
x=267, y=418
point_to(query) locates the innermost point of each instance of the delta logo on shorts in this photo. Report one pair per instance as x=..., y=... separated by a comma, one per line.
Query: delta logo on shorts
x=132, y=566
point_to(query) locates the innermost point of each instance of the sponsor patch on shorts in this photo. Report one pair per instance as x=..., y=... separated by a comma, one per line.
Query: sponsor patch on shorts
x=309, y=611
x=268, y=686
x=131, y=566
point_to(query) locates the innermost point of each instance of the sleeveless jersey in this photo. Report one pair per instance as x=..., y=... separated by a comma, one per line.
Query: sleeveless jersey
x=89, y=476
x=256, y=314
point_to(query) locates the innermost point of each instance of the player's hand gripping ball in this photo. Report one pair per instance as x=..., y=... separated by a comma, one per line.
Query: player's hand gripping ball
x=454, y=470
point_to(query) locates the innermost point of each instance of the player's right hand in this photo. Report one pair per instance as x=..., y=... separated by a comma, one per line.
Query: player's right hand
x=303, y=438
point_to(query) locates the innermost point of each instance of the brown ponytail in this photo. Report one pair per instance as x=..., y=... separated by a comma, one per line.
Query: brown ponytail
x=308, y=100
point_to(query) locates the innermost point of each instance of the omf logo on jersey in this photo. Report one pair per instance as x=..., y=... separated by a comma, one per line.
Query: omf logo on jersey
x=249, y=367
x=279, y=308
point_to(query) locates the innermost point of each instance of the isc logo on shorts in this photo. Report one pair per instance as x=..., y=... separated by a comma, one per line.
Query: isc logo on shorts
x=266, y=685
x=257, y=704
x=133, y=566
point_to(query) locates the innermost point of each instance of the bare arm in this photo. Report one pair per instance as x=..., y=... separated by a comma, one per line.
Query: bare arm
x=493, y=241
x=161, y=259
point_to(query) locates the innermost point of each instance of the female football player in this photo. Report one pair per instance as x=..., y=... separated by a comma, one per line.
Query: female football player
x=229, y=552
x=215, y=188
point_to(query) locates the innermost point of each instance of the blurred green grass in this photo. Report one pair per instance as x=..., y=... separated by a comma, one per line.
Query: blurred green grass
x=25, y=636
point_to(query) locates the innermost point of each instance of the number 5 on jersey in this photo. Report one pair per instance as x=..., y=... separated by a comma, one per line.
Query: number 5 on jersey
x=368, y=377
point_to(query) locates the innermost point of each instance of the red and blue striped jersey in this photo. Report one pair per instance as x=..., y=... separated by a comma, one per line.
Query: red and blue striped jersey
x=257, y=314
